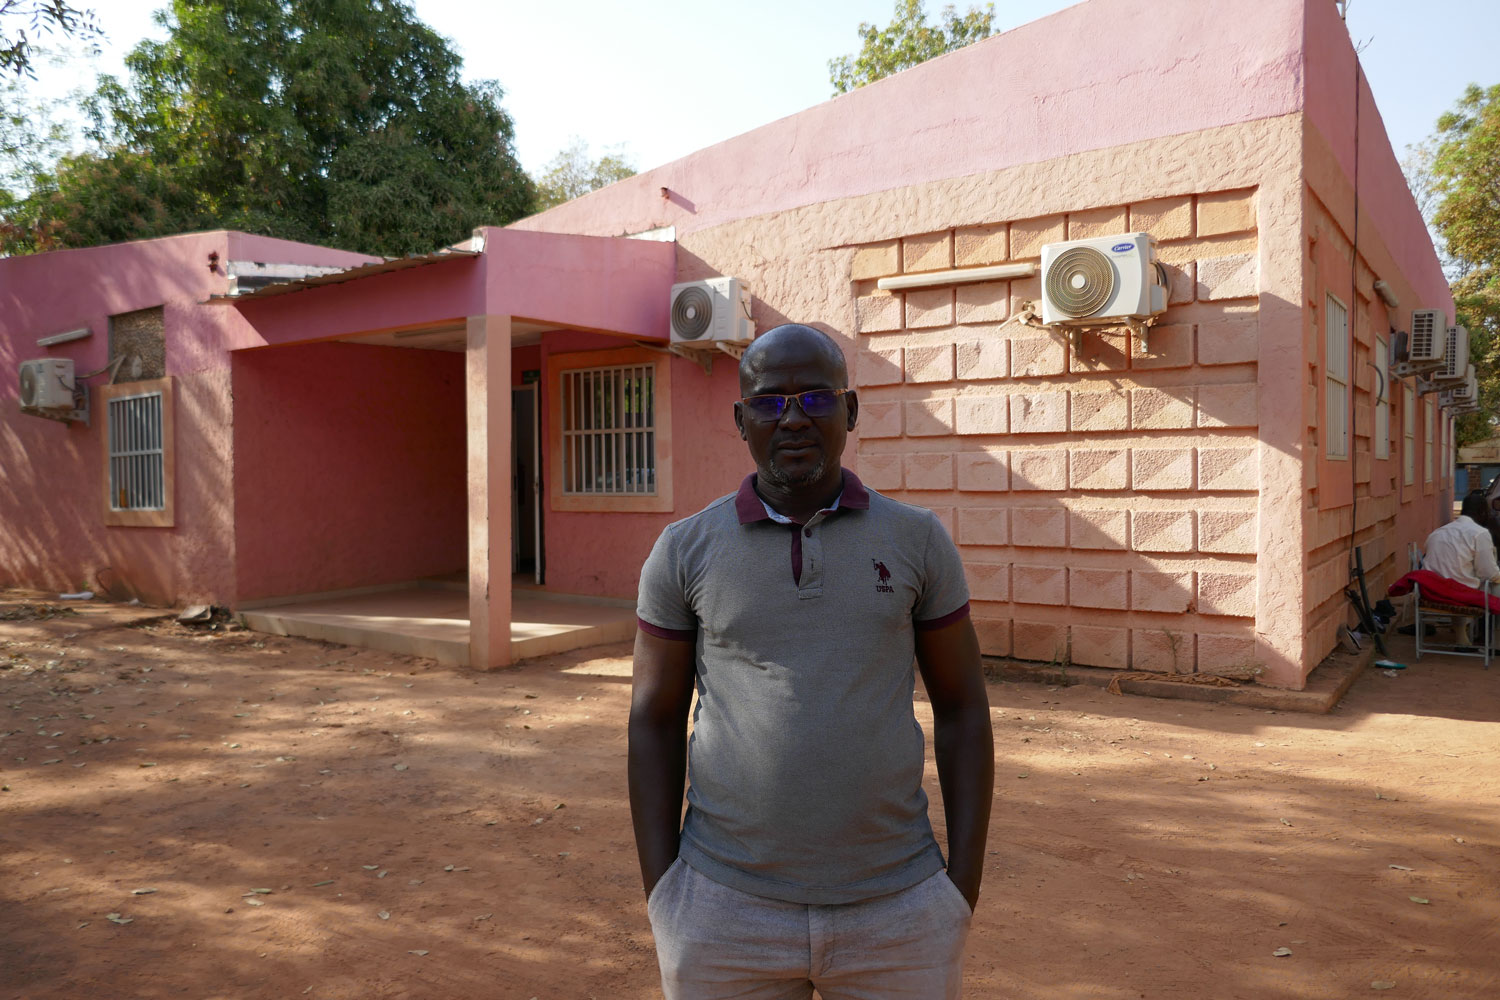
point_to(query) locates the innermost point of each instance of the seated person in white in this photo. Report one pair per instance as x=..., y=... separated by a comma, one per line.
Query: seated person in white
x=1462, y=550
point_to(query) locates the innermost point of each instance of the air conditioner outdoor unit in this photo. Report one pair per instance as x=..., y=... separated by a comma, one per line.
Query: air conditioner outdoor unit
x=47, y=386
x=1468, y=392
x=1429, y=340
x=1103, y=281
x=1456, y=358
x=711, y=312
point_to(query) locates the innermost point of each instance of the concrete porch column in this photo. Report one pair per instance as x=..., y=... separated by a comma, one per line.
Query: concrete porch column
x=487, y=391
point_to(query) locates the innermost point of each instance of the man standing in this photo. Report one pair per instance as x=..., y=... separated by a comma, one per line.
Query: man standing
x=796, y=605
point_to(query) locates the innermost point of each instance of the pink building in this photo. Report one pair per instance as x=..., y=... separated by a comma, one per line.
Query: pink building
x=1183, y=503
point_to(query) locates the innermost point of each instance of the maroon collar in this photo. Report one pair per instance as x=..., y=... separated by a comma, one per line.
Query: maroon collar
x=748, y=506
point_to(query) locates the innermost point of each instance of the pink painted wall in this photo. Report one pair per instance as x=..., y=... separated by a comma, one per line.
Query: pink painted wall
x=614, y=285
x=576, y=281
x=349, y=467
x=1365, y=498
x=446, y=291
x=593, y=553
x=51, y=495
x=1096, y=75
x=1329, y=103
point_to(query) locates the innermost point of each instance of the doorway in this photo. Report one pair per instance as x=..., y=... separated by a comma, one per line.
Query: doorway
x=526, y=484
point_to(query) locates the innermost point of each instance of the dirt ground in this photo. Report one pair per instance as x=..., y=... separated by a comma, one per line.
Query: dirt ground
x=218, y=814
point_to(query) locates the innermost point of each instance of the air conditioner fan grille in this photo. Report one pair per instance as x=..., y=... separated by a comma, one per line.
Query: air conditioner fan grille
x=692, y=312
x=28, y=386
x=1080, y=281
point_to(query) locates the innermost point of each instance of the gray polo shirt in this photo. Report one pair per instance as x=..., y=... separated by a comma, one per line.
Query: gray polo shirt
x=805, y=762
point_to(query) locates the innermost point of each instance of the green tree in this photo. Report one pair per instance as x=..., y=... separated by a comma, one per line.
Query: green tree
x=907, y=41
x=1465, y=175
x=40, y=17
x=571, y=174
x=342, y=122
x=31, y=137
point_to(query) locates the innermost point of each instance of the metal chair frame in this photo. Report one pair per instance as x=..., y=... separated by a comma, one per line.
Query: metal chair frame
x=1451, y=614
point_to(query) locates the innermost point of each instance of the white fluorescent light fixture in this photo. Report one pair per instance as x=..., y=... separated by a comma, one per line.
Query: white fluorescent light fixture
x=63, y=338
x=962, y=276
x=1383, y=289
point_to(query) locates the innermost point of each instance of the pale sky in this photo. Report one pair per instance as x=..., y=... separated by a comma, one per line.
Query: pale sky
x=662, y=78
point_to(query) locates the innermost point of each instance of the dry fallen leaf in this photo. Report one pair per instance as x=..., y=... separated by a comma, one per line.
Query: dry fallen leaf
x=141, y=892
x=417, y=951
x=1419, y=899
x=1402, y=868
x=384, y=915
x=1282, y=952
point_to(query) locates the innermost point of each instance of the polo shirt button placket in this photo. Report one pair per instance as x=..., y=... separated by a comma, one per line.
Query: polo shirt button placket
x=811, y=583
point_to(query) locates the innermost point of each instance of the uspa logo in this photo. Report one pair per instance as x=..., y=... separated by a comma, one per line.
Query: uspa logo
x=882, y=578
x=1123, y=247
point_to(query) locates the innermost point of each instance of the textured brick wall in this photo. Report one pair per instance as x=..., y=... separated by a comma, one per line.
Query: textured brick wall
x=1363, y=487
x=1103, y=497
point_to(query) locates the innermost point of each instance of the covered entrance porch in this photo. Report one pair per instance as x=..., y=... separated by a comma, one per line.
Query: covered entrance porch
x=488, y=300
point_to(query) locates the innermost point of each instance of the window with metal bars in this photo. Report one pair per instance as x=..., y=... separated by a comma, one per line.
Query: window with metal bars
x=609, y=431
x=137, y=475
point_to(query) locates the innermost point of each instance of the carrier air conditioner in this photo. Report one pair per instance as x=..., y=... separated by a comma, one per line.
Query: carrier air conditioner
x=47, y=386
x=710, y=313
x=1456, y=358
x=1428, y=343
x=1108, y=280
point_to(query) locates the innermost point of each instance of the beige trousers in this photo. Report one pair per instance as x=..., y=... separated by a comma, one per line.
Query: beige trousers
x=714, y=942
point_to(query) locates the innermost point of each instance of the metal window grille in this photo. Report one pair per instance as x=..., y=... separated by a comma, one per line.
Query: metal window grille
x=609, y=431
x=137, y=478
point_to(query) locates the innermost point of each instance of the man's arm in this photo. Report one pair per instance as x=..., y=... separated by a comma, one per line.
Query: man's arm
x=1484, y=558
x=963, y=743
x=661, y=694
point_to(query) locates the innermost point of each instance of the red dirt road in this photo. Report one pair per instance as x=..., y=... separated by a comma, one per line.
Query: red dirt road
x=431, y=832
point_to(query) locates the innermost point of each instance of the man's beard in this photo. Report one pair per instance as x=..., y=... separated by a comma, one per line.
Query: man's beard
x=786, y=480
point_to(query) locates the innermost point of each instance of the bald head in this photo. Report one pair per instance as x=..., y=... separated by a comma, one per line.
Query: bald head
x=791, y=344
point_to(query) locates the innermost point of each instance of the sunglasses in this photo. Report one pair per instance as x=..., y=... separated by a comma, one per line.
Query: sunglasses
x=814, y=403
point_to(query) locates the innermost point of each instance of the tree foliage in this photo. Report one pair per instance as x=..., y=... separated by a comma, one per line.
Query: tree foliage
x=342, y=122
x=907, y=41
x=571, y=174
x=40, y=18
x=31, y=137
x=1465, y=174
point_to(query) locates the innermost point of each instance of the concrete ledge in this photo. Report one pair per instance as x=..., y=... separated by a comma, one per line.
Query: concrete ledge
x=572, y=638
x=390, y=639
x=321, y=595
x=1325, y=685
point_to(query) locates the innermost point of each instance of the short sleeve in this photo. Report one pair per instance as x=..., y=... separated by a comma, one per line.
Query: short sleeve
x=661, y=606
x=945, y=592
